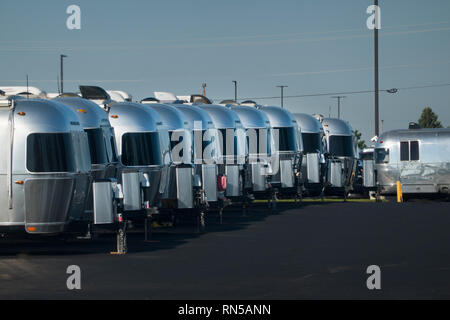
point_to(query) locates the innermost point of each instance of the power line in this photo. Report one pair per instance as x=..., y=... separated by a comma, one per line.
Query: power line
x=343, y=93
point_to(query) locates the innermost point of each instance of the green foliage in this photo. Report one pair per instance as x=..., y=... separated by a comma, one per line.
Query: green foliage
x=361, y=143
x=428, y=119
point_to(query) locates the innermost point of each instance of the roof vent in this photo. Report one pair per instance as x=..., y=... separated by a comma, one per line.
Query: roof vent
x=229, y=102
x=149, y=100
x=94, y=93
x=413, y=126
x=200, y=99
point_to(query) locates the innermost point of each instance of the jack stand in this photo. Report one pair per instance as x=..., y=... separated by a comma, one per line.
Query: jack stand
x=244, y=209
x=299, y=196
x=274, y=203
x=121, y=236
x=201, y=224
x=148, y=229
x=88, y=235
x=220, y=215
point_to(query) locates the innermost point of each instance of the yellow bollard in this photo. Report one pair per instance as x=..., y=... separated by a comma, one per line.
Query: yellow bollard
x=399, y=192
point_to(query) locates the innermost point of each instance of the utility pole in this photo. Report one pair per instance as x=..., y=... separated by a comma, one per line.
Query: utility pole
x=377, y=114
x=282, y=92
x=62, y=72
x=235, y=90
x=339, y=104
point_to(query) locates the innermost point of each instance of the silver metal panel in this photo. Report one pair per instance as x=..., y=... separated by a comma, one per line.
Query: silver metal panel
x=368, y=173
x=209, y=175
x=258, y=177
x=419, y=188
x=78, y=204
x=286, y=174
x=103, y=202
x=233, y=182
x=47, y=203
x=313, y=167
x=184, y=188
x=336, y=179
x=131, y=184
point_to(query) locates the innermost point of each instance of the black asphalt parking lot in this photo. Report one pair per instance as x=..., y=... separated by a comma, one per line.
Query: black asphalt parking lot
x=320, y=250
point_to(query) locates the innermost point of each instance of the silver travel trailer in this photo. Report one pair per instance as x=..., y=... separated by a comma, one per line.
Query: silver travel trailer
x=143, y=148
x=185, y=193
x=44, y=166
x=314, y=165
x=206, y=155
x=288, y=150
x=418, y=158
x=258, y=135
x=342, y=155
x=232, y=142
x=103, y=155
x=144, y=154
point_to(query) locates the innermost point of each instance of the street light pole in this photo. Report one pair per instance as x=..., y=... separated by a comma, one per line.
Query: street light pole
x=282, y=94
x=62, y=72
x=377, y=114
x=339, y=104
x=235, y=90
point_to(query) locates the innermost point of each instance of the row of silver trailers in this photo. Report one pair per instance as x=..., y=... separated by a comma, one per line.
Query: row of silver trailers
x=80, y=164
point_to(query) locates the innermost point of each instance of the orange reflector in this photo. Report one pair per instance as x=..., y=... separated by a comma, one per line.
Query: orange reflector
x=19, y=182
x=31, y=229
x=21, y=113
x=114, y=116
x=81, y=110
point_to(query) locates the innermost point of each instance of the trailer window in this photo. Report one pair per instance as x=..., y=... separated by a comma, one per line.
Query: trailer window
x=113, y=148
x=409, y=151
x=175, y=139
x=341, y=146
x=414, y=150
x=141, y=149
x=286, y=138
x=50, y=152
x=311, y=142
x=238, y=142
x=257, y=141
x=381, y=156
x=366, y=156
x=97, y=146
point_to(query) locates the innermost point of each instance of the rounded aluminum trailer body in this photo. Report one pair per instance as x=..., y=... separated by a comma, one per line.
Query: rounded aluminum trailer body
x=205, y=148
x=286, y=151
x=418, y=158
x=258, y=132
x=314, y=165
x=44, y=167
x=233, y=148
x=103, y=152
x=144, y=154
x=342, y=152
x=180, y=193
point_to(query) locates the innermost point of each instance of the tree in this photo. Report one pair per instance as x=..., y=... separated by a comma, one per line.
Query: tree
x=428, y=119
x=361, y=143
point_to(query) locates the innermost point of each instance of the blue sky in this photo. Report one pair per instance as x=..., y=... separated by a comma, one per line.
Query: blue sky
x=313, y=46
